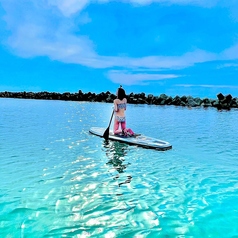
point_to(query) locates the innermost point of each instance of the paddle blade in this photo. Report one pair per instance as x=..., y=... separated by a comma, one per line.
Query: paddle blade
x=106, y=134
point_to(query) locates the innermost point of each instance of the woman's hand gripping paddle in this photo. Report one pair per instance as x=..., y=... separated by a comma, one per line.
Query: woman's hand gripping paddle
x=106, y=133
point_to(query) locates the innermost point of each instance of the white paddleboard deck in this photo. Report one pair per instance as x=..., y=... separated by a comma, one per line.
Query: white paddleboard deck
x=139, y=140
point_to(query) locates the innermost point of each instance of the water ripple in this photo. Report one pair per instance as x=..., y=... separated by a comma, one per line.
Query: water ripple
x=60, y=181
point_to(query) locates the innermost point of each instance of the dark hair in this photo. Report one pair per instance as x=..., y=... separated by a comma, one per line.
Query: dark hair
x=121, y=93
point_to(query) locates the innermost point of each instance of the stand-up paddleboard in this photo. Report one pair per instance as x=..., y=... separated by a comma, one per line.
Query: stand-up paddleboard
x=139, y=140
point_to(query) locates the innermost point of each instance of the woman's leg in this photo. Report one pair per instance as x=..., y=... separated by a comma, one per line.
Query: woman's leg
x=130, y=131
x=116, y=127
x=123, y=125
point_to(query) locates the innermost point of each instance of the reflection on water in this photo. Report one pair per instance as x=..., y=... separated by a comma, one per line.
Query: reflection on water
x=116, y=153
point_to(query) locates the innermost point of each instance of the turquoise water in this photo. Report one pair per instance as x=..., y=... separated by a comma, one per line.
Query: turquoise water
x=57, y=180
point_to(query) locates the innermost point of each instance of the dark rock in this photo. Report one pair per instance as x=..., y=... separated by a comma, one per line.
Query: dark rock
x=141, y=95
x=222, y=102
x=184, y=99
x=168, y=100
x=163, y=96
x=156, y=100
x=234, y=103
x=191, y=102
x=176, y=101
x=220, y=96
x=183, y=104
x=100, y=97
x=150, y=98
x=65, y=96
x=134, y=101
x=212, y=101
x=228, y=98
x=215, y=103
x=206, y=102
x=136, y=95
x=225, y=102
x=161, y=100
x=141, y=101
x=198, y=101
x=110, y=98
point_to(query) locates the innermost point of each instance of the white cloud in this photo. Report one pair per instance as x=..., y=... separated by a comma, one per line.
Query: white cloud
x=230, y=53
x=171, y=62
x=32, y=37
x=228, y=65
x=128, y=78
x=203, y=3
x=206, y=86
x=32, y=40
x=29, y=41
x=69, y=7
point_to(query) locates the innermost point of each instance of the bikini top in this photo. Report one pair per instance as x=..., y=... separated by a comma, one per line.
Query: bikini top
x=121, y=106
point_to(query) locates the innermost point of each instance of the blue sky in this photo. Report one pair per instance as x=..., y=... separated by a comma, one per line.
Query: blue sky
x=177, y=47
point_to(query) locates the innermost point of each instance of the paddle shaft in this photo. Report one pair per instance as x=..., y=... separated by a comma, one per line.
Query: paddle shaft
x=111, y=119
x=106, y=133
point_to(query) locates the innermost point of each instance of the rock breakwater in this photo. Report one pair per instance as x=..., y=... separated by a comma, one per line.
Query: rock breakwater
x=222, y=102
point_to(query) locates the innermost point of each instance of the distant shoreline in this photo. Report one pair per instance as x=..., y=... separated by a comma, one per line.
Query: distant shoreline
x=225, y=102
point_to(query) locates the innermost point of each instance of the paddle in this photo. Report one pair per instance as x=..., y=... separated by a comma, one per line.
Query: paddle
x=106, y=133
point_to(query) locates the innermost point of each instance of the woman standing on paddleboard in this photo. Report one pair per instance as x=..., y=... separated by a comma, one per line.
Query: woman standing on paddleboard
x=120, y=117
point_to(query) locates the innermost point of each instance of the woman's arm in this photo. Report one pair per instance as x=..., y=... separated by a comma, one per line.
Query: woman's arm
x=115, y=106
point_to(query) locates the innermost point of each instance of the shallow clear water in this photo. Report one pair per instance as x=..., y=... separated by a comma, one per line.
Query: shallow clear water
x=57, y=180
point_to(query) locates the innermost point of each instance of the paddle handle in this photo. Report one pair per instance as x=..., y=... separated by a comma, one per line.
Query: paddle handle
x=111, y=118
